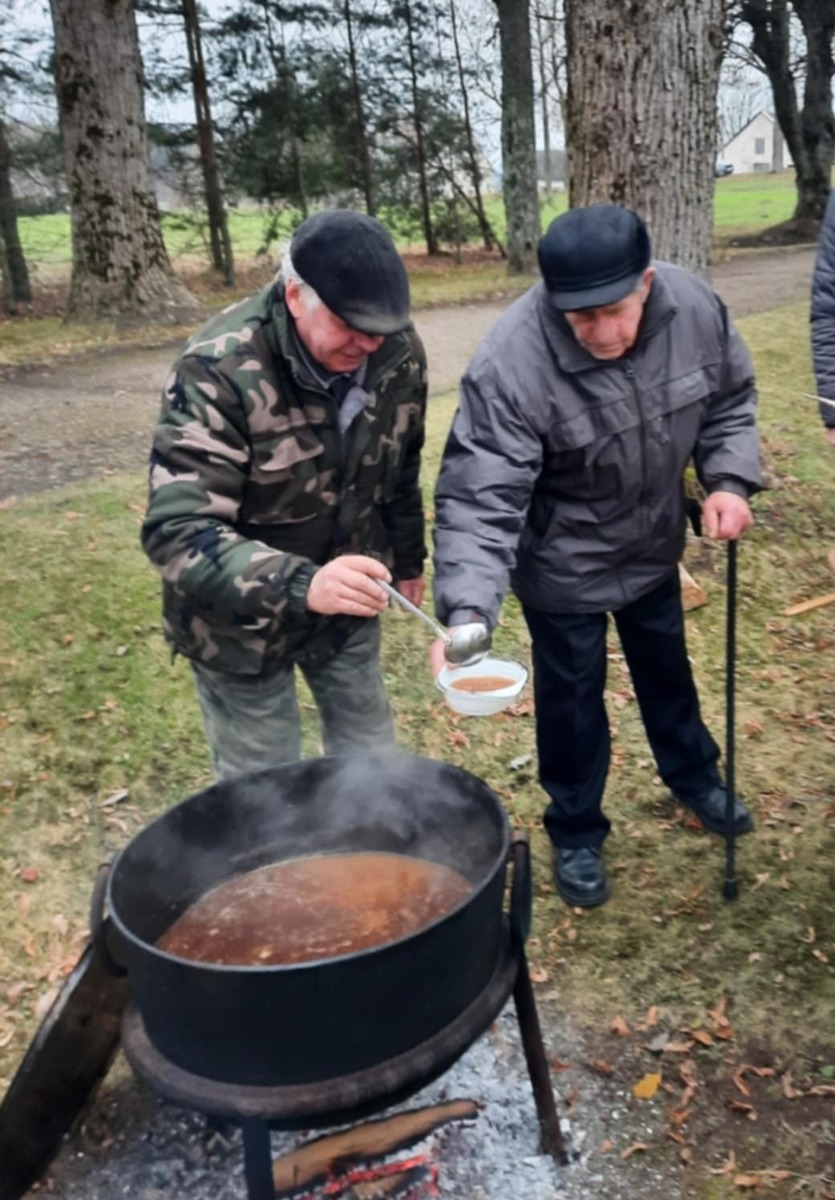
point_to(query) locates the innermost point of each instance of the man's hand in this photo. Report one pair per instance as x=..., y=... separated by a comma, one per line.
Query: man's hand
x=726, y=515
x=437, y=660
x=346, y=585
x=412, y=589
x=830, y=436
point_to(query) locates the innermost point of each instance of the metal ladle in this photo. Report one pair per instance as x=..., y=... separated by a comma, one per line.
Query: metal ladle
x=463, y=644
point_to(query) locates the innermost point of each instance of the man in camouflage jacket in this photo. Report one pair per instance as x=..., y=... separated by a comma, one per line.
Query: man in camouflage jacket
x=284, y=485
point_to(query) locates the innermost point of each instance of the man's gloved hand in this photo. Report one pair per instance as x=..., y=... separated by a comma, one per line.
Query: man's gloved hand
x=346, y=585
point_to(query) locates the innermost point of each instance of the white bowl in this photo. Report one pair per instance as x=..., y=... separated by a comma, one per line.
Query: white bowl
x=482, y=704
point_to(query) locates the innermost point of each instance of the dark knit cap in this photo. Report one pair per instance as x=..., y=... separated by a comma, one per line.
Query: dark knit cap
x=352, y=264
x=593, y=256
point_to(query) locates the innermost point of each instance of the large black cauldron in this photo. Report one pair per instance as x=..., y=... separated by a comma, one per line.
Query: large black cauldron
x=283, y=1025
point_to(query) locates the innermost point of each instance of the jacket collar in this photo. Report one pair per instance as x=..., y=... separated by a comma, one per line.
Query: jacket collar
x=659, y=310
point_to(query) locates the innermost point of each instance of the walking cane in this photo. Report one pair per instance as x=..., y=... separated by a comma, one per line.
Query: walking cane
x=730, y=889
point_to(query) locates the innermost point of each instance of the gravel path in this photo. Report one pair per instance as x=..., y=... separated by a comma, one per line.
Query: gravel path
x=81, y=417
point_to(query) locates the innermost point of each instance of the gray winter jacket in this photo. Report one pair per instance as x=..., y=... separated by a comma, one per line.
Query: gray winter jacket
x=563, y=474
x=823, y=314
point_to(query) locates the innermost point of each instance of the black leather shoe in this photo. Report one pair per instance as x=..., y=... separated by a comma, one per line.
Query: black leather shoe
x=710, y=810
x=580, y=876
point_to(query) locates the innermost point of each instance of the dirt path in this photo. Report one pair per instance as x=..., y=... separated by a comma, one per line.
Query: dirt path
x=92, y=414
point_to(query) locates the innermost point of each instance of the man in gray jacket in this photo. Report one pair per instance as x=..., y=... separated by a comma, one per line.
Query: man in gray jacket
x=563, y=478
x=823, y=318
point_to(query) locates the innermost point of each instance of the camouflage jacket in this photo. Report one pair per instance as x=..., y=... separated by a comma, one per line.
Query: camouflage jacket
x=251, y=481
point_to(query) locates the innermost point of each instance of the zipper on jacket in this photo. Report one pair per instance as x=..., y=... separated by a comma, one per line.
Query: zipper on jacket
x=629, y=371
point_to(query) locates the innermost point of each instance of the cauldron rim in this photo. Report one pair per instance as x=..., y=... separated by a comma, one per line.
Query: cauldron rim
x=281, y=970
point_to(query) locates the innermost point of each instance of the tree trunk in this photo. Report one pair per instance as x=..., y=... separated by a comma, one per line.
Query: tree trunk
x=120, y=264
x=359, y=109
x=423, y=183
x=809, y=131
x=642, y=88
x=543, y=108
x=221, y=247
x=475, y=172
x=521, y=201
x=16, y=286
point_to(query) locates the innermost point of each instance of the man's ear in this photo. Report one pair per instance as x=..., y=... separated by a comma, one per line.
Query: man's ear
x=292, y=297
x=646, y=282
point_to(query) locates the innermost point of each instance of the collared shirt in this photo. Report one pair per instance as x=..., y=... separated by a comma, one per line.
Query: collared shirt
x=345, y=387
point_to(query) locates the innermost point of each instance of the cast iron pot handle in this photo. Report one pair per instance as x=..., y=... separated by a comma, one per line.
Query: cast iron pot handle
x=100, y=925
x=520, y=889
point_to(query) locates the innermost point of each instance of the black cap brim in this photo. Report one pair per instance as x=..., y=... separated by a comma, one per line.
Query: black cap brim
x=596, y=297
x=374, y=322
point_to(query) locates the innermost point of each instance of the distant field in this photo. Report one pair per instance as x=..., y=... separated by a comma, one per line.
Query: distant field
x=744, y=204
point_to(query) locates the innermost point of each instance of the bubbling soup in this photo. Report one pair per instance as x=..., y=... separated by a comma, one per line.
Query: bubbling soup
x=313, y=908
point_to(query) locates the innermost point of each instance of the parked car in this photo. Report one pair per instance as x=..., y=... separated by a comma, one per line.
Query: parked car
x=723, y=167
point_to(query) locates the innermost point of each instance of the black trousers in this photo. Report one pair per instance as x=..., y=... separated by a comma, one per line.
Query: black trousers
x=572, y=729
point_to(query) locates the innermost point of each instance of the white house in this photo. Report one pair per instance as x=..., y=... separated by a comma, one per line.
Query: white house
x=758, y=146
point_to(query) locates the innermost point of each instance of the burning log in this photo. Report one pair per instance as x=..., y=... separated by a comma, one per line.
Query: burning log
x=342, y=1160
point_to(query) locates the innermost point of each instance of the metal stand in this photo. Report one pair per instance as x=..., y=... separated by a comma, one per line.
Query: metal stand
x=550, y=1134
x=258, y=1110
x=258, y=1159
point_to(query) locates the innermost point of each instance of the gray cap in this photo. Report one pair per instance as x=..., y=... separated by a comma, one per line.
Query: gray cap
x=593, y=256
x=351, y=262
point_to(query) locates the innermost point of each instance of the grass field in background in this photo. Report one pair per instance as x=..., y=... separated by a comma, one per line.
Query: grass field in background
x=743, y=204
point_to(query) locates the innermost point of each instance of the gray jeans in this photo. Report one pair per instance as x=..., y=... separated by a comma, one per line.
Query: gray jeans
x=253, y=722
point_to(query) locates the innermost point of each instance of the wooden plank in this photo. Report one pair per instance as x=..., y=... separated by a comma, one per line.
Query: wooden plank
x=808, y=605
x=692, y=594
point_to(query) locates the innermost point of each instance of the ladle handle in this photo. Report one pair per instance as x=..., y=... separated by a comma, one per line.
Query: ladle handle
x=393, y=594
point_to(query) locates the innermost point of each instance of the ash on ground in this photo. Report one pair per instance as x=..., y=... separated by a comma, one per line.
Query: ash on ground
x=133, y=1144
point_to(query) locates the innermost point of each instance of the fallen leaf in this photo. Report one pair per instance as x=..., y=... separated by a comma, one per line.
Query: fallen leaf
x=738, y=1081
x=740, y=1106
x=605, y=1147
x=702, y=1037
x=538, y=974
x=619, y=1027
x=30, y=874
x=602, y=1067
x=633, y=1149
x=557, y=1065
x=646, y=1088
x=727, y=1167
x=747, y=1181
x=678, y=1047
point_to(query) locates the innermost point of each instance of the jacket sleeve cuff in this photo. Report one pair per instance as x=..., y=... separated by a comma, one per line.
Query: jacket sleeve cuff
x=736, y=486
x=463, y=616
x=298, y=588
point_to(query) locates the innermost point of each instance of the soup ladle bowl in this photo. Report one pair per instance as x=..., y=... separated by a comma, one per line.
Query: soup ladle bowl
x=463, y=644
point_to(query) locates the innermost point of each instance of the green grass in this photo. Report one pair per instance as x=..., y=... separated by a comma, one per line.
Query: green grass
x=745, y=204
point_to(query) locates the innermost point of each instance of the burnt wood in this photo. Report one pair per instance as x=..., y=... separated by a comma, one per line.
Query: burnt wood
x=68, y=1057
